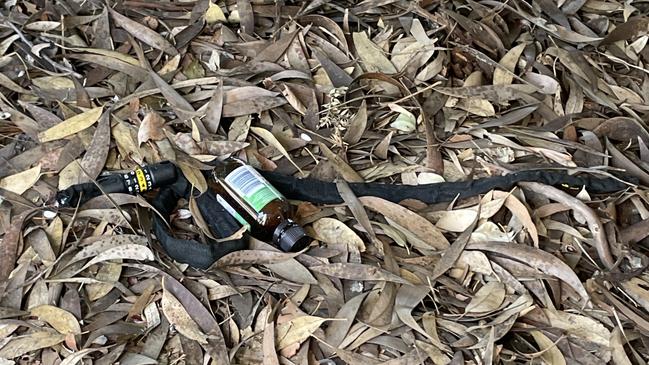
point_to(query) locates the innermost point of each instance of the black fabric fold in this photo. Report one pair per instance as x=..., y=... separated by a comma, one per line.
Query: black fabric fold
x=221, y=223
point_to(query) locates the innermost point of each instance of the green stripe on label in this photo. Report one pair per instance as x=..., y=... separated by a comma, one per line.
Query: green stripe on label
x=232, y=212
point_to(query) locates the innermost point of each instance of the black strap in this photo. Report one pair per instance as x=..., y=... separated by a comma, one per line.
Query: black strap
x=220, y=222
x=321, y=192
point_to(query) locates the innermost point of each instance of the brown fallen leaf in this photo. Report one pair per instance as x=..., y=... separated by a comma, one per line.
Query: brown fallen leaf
x=296, y=330
x=290, y=269
x=178, y=316
x=627, y=30
x=34, y=341
x=22, y=181
x=509, y=61
x=407, y=298
x=59, y=319
x=272, y=140
x=94, y=160
x=594, y=223
x=541, y=260
x=622, y=161
x=372, y=56
x=127, y=251
x=336, y=233
x=195, y=177
x=109, y=273
x=268, y=343
x=184, y=110
x=337, y=330
x=488, y=299
x=71, y=125
x=357, y=125
x=249, y=257
x=216, y=343
x=518, y=209
x=343, y=168
x=10, y=243
x=78, y=356
x=143, y=33
x=381, y=91
x=214, y=14
x=617, y=347
x=421, y=227
x=549, y=351
x=358, y=272
x=103, y=243
x=116, y=64
x=214, y=107
x=151, y=128
x=456, y=220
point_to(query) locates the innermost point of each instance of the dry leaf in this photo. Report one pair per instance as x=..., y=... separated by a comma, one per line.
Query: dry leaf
x=94, y=160
x=59, y=319
x=290, y=269
x=71, y=125
x=195, y=177
x=128, y=251
x=109, y=272
x=180, y=319
x=34, y=341
x=342, y=167
x=214, y=14
x=371, y=55
x=353, y=271
x=519, y=211
x=407, y=298
x=104, y=243
x=349, y=92
x=250, y=257
x=335, y=232
x=70, y=175
x=406, y=121
x=143, y=33
x=617, y=347
x=509, y=61
x=487, y=299
x=272, y=140
x=550, y=353
x=337, y=330
x=151, y=128
x=296, y=331
x=580, y=326
x=419, y=226
x=22, y=181
x=357, y=125
x=456, y=220
x=78, y=356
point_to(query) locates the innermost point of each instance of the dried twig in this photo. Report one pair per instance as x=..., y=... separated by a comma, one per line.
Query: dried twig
x=594, y=223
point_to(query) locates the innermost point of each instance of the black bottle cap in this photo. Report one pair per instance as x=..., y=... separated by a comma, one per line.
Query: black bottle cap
x=290, y=237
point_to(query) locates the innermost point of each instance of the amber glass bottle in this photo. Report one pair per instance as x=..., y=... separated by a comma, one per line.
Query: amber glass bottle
x=257, y=205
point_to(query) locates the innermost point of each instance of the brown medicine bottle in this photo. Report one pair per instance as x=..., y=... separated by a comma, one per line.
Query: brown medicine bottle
x=257, y=205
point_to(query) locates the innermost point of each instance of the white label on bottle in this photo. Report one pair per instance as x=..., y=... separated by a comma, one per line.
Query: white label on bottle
x=252, y=187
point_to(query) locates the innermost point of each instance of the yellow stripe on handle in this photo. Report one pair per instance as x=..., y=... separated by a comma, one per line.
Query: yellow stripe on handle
x=141, y=181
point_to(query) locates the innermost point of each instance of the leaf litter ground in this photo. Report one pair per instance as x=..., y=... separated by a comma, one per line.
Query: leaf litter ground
x=408, y=92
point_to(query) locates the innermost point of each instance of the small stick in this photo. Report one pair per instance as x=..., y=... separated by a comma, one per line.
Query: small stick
x=594, y=223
